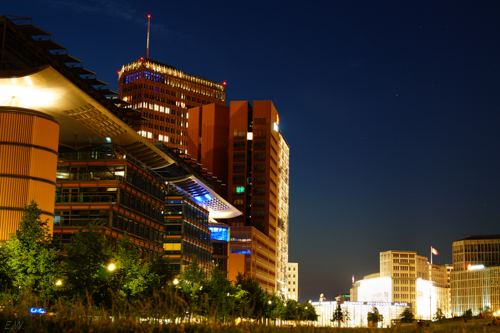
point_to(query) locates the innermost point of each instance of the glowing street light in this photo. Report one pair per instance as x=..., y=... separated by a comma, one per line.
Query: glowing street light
x=59, y=283
x=111, y=267
x=176, y=281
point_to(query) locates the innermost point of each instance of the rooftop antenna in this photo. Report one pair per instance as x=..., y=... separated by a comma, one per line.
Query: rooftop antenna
x=147, y=48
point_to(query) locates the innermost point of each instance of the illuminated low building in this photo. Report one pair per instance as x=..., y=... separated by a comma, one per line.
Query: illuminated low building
x=358, y=312
x=404, y=277
x=475, y=279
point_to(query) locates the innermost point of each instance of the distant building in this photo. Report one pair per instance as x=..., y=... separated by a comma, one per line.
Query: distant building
x=293, y=281
x=475, y=279
x=358, y=312
x=405, y=277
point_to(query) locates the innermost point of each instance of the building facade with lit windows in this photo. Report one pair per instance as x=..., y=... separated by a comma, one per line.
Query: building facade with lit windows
x=358, y=313
x=187, y=234
x=283, y=210
x=252, y=254
x=258, y=156
x=159, y=97
x=293, y=281
x=100, y=168
x=101, y=185
x=241, y=146
x=475, y=279
x=404, y=277
x=219, y=235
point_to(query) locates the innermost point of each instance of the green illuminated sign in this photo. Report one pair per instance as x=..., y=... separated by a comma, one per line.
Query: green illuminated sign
x=240, y=189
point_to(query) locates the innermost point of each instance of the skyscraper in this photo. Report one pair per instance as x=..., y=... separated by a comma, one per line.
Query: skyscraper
x=239, y=146
x=64, y=138
x=161, y=95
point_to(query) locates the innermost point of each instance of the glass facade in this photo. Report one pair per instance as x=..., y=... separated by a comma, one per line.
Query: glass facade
x=187, y=233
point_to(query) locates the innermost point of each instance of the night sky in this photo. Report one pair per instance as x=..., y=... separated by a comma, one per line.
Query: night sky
x=391, y=109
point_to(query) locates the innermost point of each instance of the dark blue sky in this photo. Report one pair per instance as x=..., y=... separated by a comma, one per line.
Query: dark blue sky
x=391, y=109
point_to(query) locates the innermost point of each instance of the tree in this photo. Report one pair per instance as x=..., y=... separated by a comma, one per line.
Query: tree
x=439, y=315
x=346, y=315
x=338, y=315
x=407, y=316
x=308, y=312
x=275, y=307
x=291, y=311
x=84, y=265
x=31, y=259
x=191, y=283
x=131, y=278
x=375, y=317
x=253, y=303
x=219, y=296
x=467, y=314
x=161, y=273
x=485, y=311
x=5, y=280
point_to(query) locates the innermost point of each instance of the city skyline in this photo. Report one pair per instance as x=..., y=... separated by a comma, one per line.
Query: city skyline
x=389, y=111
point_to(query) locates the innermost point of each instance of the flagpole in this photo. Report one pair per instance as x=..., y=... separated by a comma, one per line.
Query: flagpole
x=431, y=255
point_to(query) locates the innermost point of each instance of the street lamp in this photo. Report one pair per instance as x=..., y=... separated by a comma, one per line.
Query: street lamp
x=176, y=281
x=111, y=267
x=59, y=283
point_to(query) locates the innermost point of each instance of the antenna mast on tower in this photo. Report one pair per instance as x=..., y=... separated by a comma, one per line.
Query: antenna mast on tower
x=147, y=48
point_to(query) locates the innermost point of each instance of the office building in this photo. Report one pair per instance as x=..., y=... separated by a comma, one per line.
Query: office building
x=257, y=156
x=475, y=279
x=220, y=244
x=28, y=157
x=100, y=184
x=159, y=97
x=105, y=169
x=293, y=281
x=253, y=255
x=405, y=277
x=243, y=148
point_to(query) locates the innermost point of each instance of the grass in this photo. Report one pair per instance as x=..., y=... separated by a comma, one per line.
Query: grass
x=75, y=317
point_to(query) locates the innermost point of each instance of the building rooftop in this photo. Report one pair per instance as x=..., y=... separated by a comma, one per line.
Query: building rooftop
x=479, y=237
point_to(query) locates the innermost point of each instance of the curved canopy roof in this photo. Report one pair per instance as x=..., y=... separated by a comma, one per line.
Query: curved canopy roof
x=85, y=121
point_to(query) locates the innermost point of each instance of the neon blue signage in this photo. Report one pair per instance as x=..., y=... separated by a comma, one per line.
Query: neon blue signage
x=221, y=234
x=37, y=310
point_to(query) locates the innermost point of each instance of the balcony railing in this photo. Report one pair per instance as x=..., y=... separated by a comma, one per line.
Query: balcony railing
x=85, y=198
x=87, y=155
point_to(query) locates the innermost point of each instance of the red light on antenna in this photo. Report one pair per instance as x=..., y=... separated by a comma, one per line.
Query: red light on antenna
x=224, y=83
x=149, y=16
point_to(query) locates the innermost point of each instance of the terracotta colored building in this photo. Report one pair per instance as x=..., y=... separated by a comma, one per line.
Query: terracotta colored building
x=96, y=166
x=247, y=139
x=161, y=96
